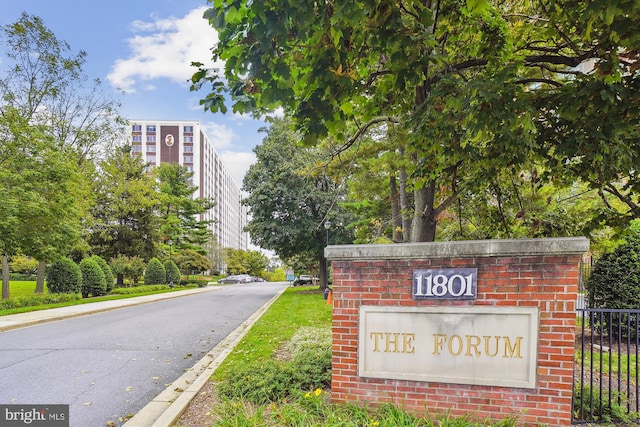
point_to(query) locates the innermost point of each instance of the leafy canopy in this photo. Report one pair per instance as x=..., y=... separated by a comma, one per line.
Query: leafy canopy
x=477, y=87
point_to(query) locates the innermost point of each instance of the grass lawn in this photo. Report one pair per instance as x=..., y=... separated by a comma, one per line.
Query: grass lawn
x=297, y=307
x=303, y=308
x=20, y=288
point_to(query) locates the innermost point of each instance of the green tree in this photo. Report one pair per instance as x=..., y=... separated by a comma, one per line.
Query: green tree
x=62, y=112
x=290, y=198
x=125, y=212
x=179, y=209
x=43, y=195
x=234, y=259
x=475, y=87
x=240, y=261
x=23, y=264
x=191, y=262
x=519, y=204
x=46, y=82
x=126, y=267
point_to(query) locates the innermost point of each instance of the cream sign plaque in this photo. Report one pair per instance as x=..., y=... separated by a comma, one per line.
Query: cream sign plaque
x=461, y=345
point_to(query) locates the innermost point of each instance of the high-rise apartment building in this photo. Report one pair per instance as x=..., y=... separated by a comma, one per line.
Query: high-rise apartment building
x=185, y=143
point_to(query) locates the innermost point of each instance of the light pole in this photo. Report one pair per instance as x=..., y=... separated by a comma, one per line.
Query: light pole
x=327, y=226
x=170, y=264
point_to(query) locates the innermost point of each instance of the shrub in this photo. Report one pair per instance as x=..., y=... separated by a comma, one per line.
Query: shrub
x=614, y=282
x=309, y=369
x=108, y=273
x=139, y=289
x=93, y=280
x=64, y=277
x=173, y=273
x=589, y=403
x=24, y=265
x=35, y=300
x=201, y=283
x=22, y=277
x=155, y=274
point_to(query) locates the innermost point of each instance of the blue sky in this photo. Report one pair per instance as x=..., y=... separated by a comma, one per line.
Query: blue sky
x=145, y=48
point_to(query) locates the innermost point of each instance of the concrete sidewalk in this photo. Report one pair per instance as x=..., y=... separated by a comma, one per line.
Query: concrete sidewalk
x=21, y=320
x=167, y=407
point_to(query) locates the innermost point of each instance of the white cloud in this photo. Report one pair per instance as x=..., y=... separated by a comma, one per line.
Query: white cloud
x=237, y=164
x=165, y=48
x=221, y=136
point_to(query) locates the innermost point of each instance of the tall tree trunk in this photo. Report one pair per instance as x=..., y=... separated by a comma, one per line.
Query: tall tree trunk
x=396, y=215
x=424, y=221
x=40, y=277
x=405, y=207
x=324, y=272
x=5, y=277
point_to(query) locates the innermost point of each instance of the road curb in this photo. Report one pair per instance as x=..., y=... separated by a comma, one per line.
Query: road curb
x=167, y=407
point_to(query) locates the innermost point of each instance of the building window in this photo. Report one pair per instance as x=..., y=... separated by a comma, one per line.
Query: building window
x=190, y=168
x=151, y=148
x=151, y=128
x=151, y=138
x=136, y=138
x=151, y=158
x=188, y=148
x=136, y=149
x=136, y=128
x=188, y=139
x=188, y=159
x=188, y=129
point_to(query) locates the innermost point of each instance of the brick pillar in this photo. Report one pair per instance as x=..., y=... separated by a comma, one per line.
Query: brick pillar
x=516, y=279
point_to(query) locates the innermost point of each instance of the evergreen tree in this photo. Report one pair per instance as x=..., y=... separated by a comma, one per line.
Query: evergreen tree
x=126, y=216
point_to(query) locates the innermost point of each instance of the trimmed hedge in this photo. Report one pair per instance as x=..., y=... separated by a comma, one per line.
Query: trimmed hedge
x=35, y=300
x=155, y=274
x=614, y=283
x=138, y=289
x=108, y=273
x=93, y=280
x=64, y=277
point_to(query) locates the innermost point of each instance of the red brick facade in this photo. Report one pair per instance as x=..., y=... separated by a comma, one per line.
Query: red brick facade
x=539, y=273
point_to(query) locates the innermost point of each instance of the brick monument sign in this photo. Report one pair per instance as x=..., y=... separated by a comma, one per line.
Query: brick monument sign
x=480, y=328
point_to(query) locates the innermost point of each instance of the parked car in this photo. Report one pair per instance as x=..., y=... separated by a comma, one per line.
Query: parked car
x=236, y=278
x=303, y=279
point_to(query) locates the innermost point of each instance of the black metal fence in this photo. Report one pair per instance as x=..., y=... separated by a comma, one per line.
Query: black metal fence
x=606, y=379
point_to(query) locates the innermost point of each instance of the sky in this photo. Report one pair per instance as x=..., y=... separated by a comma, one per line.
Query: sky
x=142, y=50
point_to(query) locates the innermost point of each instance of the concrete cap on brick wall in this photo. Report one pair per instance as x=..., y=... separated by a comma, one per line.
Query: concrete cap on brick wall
x=460, y=249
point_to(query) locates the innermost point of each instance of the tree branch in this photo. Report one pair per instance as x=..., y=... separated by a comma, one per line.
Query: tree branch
x=538, y=80
x=362, y=130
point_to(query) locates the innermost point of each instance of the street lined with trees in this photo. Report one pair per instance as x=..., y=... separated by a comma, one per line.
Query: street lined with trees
x=404, y=122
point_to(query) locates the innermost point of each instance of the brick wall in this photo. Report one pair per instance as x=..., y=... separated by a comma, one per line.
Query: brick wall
x=539, y=273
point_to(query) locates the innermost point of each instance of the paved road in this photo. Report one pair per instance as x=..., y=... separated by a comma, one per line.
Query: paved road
x=109, y=365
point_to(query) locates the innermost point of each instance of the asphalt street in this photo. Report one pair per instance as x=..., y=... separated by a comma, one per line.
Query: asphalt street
x=109, y=365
